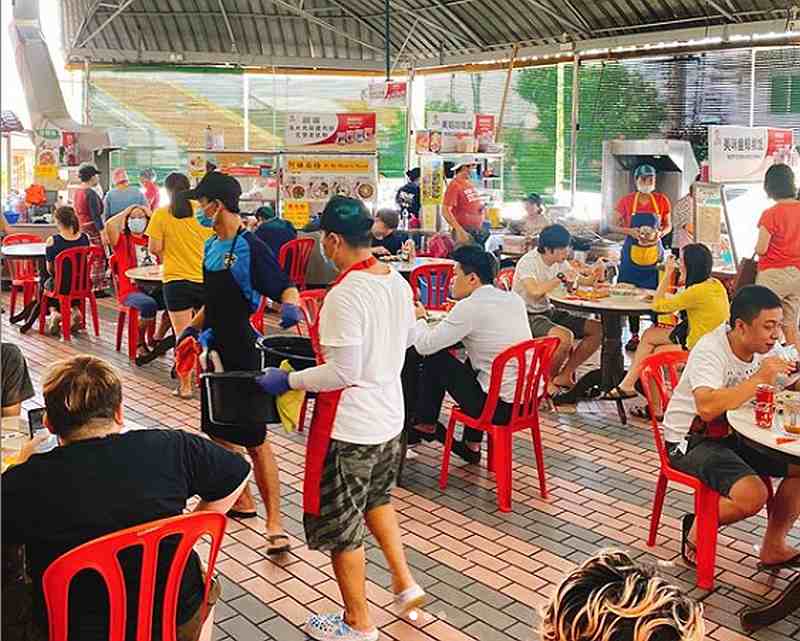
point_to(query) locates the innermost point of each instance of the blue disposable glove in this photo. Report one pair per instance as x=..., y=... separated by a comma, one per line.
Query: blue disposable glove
x=290, y=315
x=186, y=333
x=274, y=381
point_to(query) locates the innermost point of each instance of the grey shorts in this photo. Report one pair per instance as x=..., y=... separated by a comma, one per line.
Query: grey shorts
x=355, y=480
x=541, y=324
x=720, y=463
x=17, y=386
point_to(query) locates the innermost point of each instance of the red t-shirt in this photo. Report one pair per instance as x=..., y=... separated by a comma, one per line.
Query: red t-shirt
x=152, y=195
x=782, y=221
x=466, y=202
x=655, y=203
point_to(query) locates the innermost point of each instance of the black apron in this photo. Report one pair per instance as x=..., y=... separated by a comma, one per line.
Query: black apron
x=227, y=313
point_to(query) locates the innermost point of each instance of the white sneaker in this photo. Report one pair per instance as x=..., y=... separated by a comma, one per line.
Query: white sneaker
x=409, y=599
x=331, y=627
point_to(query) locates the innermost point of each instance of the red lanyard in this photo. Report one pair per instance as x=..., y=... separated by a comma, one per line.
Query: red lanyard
x=360, y=266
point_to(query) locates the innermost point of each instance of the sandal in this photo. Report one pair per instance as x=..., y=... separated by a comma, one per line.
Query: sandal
x=274, y=548
x=789, y=564
x=616, y=393
x=686, y=545
x=237, y=514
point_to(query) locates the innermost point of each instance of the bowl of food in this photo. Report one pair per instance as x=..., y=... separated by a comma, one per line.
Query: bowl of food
x=298, y=192
x=365, y=191
x=648, y=236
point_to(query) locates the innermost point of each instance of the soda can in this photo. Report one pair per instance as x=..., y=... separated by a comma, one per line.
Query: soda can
x=765, y=406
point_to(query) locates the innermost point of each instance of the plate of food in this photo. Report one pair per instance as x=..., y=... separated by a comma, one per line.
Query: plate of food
x=624, y=289
x=365, y=191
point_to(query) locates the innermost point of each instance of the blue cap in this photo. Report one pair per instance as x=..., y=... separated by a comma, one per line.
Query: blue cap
x=644, y=170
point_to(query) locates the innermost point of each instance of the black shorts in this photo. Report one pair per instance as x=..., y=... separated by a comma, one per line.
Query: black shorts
x=541, y=324
x=180, y=295
x=720, y=463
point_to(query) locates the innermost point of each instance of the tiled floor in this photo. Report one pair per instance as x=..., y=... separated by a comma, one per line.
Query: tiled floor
x=485, y=572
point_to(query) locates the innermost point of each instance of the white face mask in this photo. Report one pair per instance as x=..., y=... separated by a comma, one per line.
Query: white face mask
x=137, y=225
x=646, y=189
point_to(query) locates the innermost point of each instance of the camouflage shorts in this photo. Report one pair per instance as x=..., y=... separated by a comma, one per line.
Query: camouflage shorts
x=355, y=480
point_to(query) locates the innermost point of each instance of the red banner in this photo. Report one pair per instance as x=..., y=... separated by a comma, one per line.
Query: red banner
x=326, y=131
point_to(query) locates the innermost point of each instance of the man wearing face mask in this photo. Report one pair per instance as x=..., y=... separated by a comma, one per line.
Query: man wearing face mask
x=463, y=205
x=237, y=270
x=364, y=327
x=637, y=214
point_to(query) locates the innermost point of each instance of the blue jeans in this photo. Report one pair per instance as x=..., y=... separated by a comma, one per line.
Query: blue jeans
x=147, y=305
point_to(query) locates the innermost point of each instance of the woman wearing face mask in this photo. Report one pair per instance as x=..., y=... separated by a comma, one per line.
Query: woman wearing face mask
x=644, y=208
x=177, y=238
x=125, y=233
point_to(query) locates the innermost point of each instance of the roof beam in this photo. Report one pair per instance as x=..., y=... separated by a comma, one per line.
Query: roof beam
x=359, y=19
x=120, y=8
x=728, y=15
x=85, y=22
x=325, y=25
x=478, y=42
x=555, y=14
x=234, y=48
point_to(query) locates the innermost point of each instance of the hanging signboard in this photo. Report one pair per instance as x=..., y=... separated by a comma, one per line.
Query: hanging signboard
x=309, y=181
x=744, y=154
x=432, y=174
x=456, y=131
x=388, y=93
x=707, y=224
x=484, y=131
x=342, y=132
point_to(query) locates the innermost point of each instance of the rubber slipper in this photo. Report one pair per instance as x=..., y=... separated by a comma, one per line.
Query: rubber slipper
x=236, y=514
x=618, y=394
x=273, y=548
x=788, y=564
x=686, y=545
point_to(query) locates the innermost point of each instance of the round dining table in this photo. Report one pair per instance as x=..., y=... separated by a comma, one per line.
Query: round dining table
x=146, y=274
x=785, y=446
x=611, y=310
x=25, y=251
x=408, y=266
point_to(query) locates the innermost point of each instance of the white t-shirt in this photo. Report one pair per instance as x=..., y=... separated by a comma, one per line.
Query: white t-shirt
x=532, y=265
x=375, y=312
x=713, y=364
x=488, y=322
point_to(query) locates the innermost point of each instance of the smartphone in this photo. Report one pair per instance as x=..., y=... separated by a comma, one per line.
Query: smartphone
x=35, y=420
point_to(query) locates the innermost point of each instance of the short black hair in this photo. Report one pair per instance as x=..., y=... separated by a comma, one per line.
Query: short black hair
x=553, y=237
x=699, y=263
x=474, y=260
x=349, y=218
x=750, y=301
x=779, y=182
x=388, y=217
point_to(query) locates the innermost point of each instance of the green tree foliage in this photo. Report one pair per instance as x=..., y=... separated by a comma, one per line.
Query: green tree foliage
x=392, y=146
x=614, y=101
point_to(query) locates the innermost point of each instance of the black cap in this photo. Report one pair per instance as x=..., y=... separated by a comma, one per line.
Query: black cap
x=413, y=174
x=346, y=216
x=534, y=198
x=217, y=186
x=85, y=172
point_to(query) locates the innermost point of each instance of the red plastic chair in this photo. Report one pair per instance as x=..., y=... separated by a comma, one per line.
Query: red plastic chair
x=505, y=279
x=294, y=257
x=532, y=359
x=101, y=554
x=129, y=313
x=435, y=279
x=310, y=303
x=706, y=500
x=24, y=273
x=81, y=259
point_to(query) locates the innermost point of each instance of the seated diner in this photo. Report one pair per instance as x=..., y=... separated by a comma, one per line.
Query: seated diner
x=475, y=321
x=156, y=471
x=704, y=301
x=724, y=370
x=540, y=272
x=386, y=239
x=273, y=231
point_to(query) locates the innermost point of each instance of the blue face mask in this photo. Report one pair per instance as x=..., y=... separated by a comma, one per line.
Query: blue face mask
x=200, y=217
x=137, y=225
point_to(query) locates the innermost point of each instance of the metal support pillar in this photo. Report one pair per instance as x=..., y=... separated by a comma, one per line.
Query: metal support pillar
x=576, y=67
x=388, y=42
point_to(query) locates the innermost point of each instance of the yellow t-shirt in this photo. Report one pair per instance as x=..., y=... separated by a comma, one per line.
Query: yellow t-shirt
x=184, y=240
x=706, y=304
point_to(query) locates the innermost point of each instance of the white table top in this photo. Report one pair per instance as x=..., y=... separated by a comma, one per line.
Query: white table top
x=25, y=250
x=404, y=266
x=743, y=421
x=152, y=273
x=610, y=304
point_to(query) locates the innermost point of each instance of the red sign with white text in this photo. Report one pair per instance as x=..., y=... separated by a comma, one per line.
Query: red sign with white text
x=344, y=132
